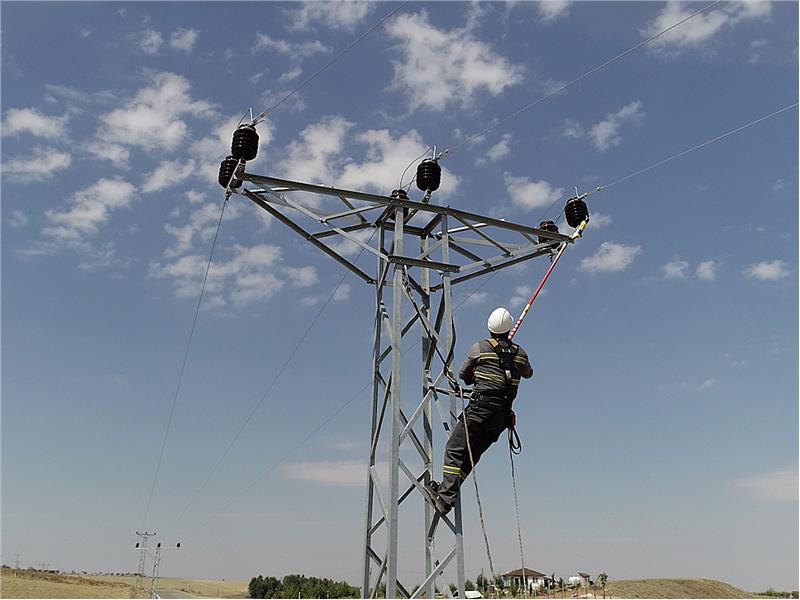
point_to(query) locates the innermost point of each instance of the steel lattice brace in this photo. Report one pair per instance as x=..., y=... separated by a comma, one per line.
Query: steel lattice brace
x=419, y=258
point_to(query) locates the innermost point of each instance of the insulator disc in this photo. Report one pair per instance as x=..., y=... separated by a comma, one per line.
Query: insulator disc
x=576, y=212
x=226, y=170
x=245, y=143
x=401, y=193
x=429, y=175
x=547, y=226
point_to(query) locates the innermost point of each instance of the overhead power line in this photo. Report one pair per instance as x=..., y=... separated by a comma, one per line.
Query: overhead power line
x=338, y=55
x=451, y=149
x=698, y=146
x=183, y=365
x=266, y=393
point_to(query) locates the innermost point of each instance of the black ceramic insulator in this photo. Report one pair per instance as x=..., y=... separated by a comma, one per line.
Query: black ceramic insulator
x=245, y=143
x=547, y=226
x=226, y=170
x=576, y=212
x=429, y=175
x=401, y=194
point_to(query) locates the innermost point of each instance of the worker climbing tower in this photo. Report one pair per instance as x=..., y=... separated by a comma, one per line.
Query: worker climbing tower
x=420, y=251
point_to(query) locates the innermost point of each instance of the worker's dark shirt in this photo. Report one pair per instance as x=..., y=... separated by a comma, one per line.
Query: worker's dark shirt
x=482, y=368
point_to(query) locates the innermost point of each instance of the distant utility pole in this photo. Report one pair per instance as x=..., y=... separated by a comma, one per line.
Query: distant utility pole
x=16, y=560
x=142, y=546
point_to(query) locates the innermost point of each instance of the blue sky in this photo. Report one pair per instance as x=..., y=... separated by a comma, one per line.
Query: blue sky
x=660, y=431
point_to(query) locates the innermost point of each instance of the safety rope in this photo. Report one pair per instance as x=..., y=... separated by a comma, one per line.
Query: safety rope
x=515, y=447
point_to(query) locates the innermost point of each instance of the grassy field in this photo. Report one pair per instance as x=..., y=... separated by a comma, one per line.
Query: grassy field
x=209, y=588
x=674, y=588
x=33, y=584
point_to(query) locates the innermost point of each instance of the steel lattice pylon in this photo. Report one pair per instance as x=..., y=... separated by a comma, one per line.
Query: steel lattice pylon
x=413, y=292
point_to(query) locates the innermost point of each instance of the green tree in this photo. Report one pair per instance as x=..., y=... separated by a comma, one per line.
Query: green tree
x=469, y=586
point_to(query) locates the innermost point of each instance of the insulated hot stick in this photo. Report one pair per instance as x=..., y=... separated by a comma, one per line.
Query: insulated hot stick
x=578, y=233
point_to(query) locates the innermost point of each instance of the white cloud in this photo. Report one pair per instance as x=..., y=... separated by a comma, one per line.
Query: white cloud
x=290, y=75
x=440, y=68
x=309, y=301
x=598, y=220
x=344, y=14
x=42, y=165
x=767, y=270
x=708, y=384
x=210, y=150
x=777, y=486
x=301, y=276
x=314, y=156
x=88, y=209
x=342, y=292
x=475, y=299
x=779, y=185
x=707, y=270
x=573, y=129
x=610, y=258
x=605, y=134
x=550, y=10
x=676, y=269
x=701, y=28
x=30, y=120
x=497, y=152
x=202, y=224
x=529, y=195
x=295, y=50
x=345, y=247
x=17, y=219
x=330, y=472
x=151, y=120
x=150, y=41
x=167, y=174
x=245, y=278
x=521, y=296
x=385, y=152
x=183, y=39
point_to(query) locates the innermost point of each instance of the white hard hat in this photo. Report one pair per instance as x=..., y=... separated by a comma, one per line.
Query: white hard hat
x=500, y=321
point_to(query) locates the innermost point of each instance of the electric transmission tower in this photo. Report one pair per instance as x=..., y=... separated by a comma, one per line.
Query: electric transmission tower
x=421, y=250
x=142, y=546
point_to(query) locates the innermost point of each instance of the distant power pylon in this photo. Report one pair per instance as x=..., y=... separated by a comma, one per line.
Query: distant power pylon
x=144, y=552
x=142, y=546
x=16, y=560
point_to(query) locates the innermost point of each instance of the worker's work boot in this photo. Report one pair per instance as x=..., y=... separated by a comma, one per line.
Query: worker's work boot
x=432, y=489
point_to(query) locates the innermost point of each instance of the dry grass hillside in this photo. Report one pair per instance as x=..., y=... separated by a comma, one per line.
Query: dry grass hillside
x=674, y=588
x=35, y=584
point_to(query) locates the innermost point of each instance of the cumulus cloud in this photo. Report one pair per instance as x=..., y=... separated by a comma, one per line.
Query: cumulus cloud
x=701, y=28
x=474, y=299
x=88, y=210
x=332, y=472
x=529, y=195
x=150, y=41
x=521, y=295
x=605, y=134
x=767, y=270
x=343, y=14
x=708, y=384
x=776, y=486
x=152, y=119
x=168, y=173
x=386, y=150
x=598, y=221
x=201, y=225
x=610, y=258
x=183, y=39
x=315, y=156
x=246, y=277
x=676, y=269
x=707, y=270
x=342, y=293
x=33, y=122
x=497, y=152
x=295, y=50
x=550, y=10
x=17, y=219
x=43, y=164
x=439, y=68
x=302, y=276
